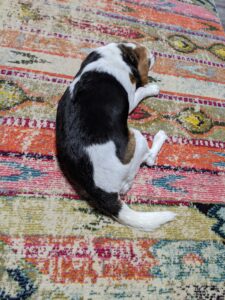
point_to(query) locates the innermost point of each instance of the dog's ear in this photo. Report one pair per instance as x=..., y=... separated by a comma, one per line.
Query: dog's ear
x=129, y=55
x=143, y=63
x=132, y=57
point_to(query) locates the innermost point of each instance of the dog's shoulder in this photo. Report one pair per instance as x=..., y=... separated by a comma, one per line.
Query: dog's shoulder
x=108, y=59
x=92, y=57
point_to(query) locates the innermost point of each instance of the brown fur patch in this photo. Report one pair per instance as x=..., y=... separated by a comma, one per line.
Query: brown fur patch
x=143, y=63
x=132, y=79
x=130, y=148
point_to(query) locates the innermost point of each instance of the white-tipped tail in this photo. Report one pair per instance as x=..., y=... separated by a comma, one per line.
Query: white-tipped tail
x=146, y=221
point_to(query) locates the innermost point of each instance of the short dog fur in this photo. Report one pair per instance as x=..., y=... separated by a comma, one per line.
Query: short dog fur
x=96, y=149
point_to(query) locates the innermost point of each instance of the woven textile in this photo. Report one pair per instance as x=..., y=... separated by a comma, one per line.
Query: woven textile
x=52, y=244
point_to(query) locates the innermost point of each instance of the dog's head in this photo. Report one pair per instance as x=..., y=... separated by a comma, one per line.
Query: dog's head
x=139, y=59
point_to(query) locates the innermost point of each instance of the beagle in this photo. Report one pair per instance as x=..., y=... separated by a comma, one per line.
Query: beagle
x=95, y=148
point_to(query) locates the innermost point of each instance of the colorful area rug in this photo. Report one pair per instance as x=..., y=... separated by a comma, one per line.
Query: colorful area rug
x=52, y=244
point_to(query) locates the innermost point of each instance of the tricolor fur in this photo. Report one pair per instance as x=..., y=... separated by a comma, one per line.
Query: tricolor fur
x=96, y=149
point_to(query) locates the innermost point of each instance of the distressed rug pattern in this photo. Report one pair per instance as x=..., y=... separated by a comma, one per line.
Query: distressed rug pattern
x=52, y=244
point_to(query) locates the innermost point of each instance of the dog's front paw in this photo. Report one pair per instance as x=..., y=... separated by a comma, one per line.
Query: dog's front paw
x=161, y=136
x=155, y=89
x=152, y=89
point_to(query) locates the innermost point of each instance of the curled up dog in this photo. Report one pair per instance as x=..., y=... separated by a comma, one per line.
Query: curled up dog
x=96, y=149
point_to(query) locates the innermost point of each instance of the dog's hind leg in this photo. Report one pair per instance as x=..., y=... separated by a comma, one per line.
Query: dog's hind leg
x=146, y=221
x=143, y=154
x=157, y=144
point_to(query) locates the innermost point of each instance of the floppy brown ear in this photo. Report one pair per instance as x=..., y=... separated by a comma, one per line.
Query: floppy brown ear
x=143, y=63
x=133, y=57
x=129, y=55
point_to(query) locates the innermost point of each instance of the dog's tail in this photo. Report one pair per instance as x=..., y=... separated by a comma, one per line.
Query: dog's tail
x=146, y=221
x=110, y=204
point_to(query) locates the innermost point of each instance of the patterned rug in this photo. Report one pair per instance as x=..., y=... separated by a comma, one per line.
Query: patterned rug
x=52, y=244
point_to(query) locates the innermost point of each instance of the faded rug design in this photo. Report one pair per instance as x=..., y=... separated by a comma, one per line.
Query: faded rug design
x=52, y=244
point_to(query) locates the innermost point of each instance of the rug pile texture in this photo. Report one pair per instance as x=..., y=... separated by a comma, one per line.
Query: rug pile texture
x=52, y=244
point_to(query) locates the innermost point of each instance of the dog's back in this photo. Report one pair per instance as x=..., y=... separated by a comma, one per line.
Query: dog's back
x=95, y=113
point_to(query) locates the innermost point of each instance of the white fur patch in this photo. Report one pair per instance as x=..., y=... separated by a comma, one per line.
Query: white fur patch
x=131, y=45
x=109, y=172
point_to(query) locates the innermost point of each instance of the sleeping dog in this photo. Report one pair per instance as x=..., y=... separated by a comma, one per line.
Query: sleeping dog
x=95, y=148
